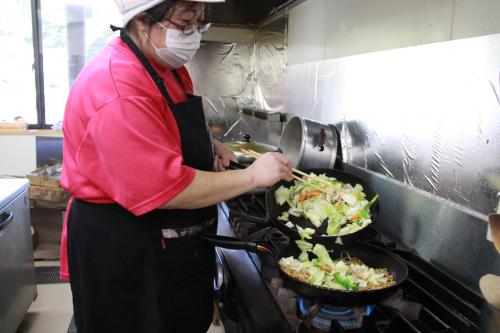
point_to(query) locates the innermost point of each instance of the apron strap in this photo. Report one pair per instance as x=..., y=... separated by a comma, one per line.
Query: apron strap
x=142, y=58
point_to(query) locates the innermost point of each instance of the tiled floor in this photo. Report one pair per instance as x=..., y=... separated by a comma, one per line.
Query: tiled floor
x=52, y=310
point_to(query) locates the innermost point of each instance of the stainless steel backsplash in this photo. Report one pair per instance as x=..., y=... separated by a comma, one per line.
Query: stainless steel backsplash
x=422, y=122
x=427, y=116
x=422, y=126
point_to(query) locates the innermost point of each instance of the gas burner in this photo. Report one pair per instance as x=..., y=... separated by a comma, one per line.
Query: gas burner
x=259, y=300
x=257, y=229
x=321, y=316
x=250, y=205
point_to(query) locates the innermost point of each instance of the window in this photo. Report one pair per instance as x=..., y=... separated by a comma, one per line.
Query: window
x=73, y=33
x=17, y=77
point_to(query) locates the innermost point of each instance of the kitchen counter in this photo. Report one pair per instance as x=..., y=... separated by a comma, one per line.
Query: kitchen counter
x=32, y=132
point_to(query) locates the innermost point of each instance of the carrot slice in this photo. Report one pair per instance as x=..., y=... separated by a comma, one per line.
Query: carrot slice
x=325, y=268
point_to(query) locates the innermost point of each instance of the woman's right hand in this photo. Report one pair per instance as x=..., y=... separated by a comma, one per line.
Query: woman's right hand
x=269, y=169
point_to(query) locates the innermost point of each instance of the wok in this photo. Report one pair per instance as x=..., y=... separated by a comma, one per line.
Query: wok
x=371, y=256
x=274, y=210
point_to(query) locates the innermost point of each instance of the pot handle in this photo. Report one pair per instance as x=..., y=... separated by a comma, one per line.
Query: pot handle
x=321, y=140
x=236, y=166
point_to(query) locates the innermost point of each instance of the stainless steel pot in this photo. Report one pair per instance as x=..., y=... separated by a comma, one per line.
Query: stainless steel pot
x=309, y=144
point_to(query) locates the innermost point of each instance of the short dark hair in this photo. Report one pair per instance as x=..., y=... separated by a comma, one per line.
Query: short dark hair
x=160, y=12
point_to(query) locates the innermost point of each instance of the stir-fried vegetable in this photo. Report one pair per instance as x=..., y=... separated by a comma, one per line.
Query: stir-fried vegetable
x=343, y=206
x=342, y=274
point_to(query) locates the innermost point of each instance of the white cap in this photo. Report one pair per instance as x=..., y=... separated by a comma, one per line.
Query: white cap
x=130, y=8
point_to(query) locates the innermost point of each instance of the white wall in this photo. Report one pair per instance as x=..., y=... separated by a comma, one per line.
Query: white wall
x=307, y=32
x=325, y=29
x=476, y=18
x=18, y=154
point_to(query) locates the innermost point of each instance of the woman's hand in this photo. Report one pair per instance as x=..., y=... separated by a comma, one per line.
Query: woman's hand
x=222, y=156
x=269, y=169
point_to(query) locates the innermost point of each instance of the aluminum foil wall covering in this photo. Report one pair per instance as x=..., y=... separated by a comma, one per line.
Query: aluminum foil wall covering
x=427, y=116
x=222, y=73
x=270, y=65
x=233, y=76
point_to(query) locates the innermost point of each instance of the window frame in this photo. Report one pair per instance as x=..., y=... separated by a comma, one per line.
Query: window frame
x=36, y=23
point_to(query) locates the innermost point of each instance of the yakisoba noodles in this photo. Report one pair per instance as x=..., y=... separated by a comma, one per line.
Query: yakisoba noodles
x=346, y=274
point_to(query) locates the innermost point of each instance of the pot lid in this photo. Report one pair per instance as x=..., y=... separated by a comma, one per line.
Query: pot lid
x=247, y=143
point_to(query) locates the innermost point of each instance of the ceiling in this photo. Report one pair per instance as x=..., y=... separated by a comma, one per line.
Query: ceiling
x=243, y=12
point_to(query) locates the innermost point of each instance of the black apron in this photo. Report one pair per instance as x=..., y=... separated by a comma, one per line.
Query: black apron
x=124, y=275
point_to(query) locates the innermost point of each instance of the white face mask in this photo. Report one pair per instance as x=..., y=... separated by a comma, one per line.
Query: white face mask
x=179, y=48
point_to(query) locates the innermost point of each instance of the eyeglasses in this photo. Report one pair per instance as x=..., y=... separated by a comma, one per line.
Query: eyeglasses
x=189, y=28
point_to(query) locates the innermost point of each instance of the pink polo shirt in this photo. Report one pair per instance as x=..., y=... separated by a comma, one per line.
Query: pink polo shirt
x=121, y=142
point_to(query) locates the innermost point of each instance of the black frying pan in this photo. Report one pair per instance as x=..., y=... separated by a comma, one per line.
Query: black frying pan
x=371, y=256
x=274, y=210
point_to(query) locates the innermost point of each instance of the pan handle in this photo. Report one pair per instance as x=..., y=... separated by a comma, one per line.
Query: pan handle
x=230, y=243
x=236, y=166
x=235, y=243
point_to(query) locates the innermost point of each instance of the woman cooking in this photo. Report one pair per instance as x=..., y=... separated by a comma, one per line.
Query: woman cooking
x=139, y=163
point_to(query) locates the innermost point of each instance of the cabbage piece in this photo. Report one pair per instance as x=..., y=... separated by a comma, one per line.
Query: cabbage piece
x=282, y=194
x=314, y=218
x=291, y=263
x=304, y=256
x=320, y=251
x=305, y=233
x=314, y=211
x=295, y=212
x=284, y=217
x=304, y=246
x=349, y=199
x=333, y=227
x=316, y=275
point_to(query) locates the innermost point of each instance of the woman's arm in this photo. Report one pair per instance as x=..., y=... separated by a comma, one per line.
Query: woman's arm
x=208, y=188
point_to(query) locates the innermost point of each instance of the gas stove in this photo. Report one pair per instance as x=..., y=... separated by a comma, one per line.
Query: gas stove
x=254, y=298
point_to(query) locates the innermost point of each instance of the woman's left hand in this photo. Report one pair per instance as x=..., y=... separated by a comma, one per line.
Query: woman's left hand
x=222, y=156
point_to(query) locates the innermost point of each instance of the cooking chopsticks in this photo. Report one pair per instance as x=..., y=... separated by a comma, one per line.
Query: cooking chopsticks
x=304, y=181
x=257, y=155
